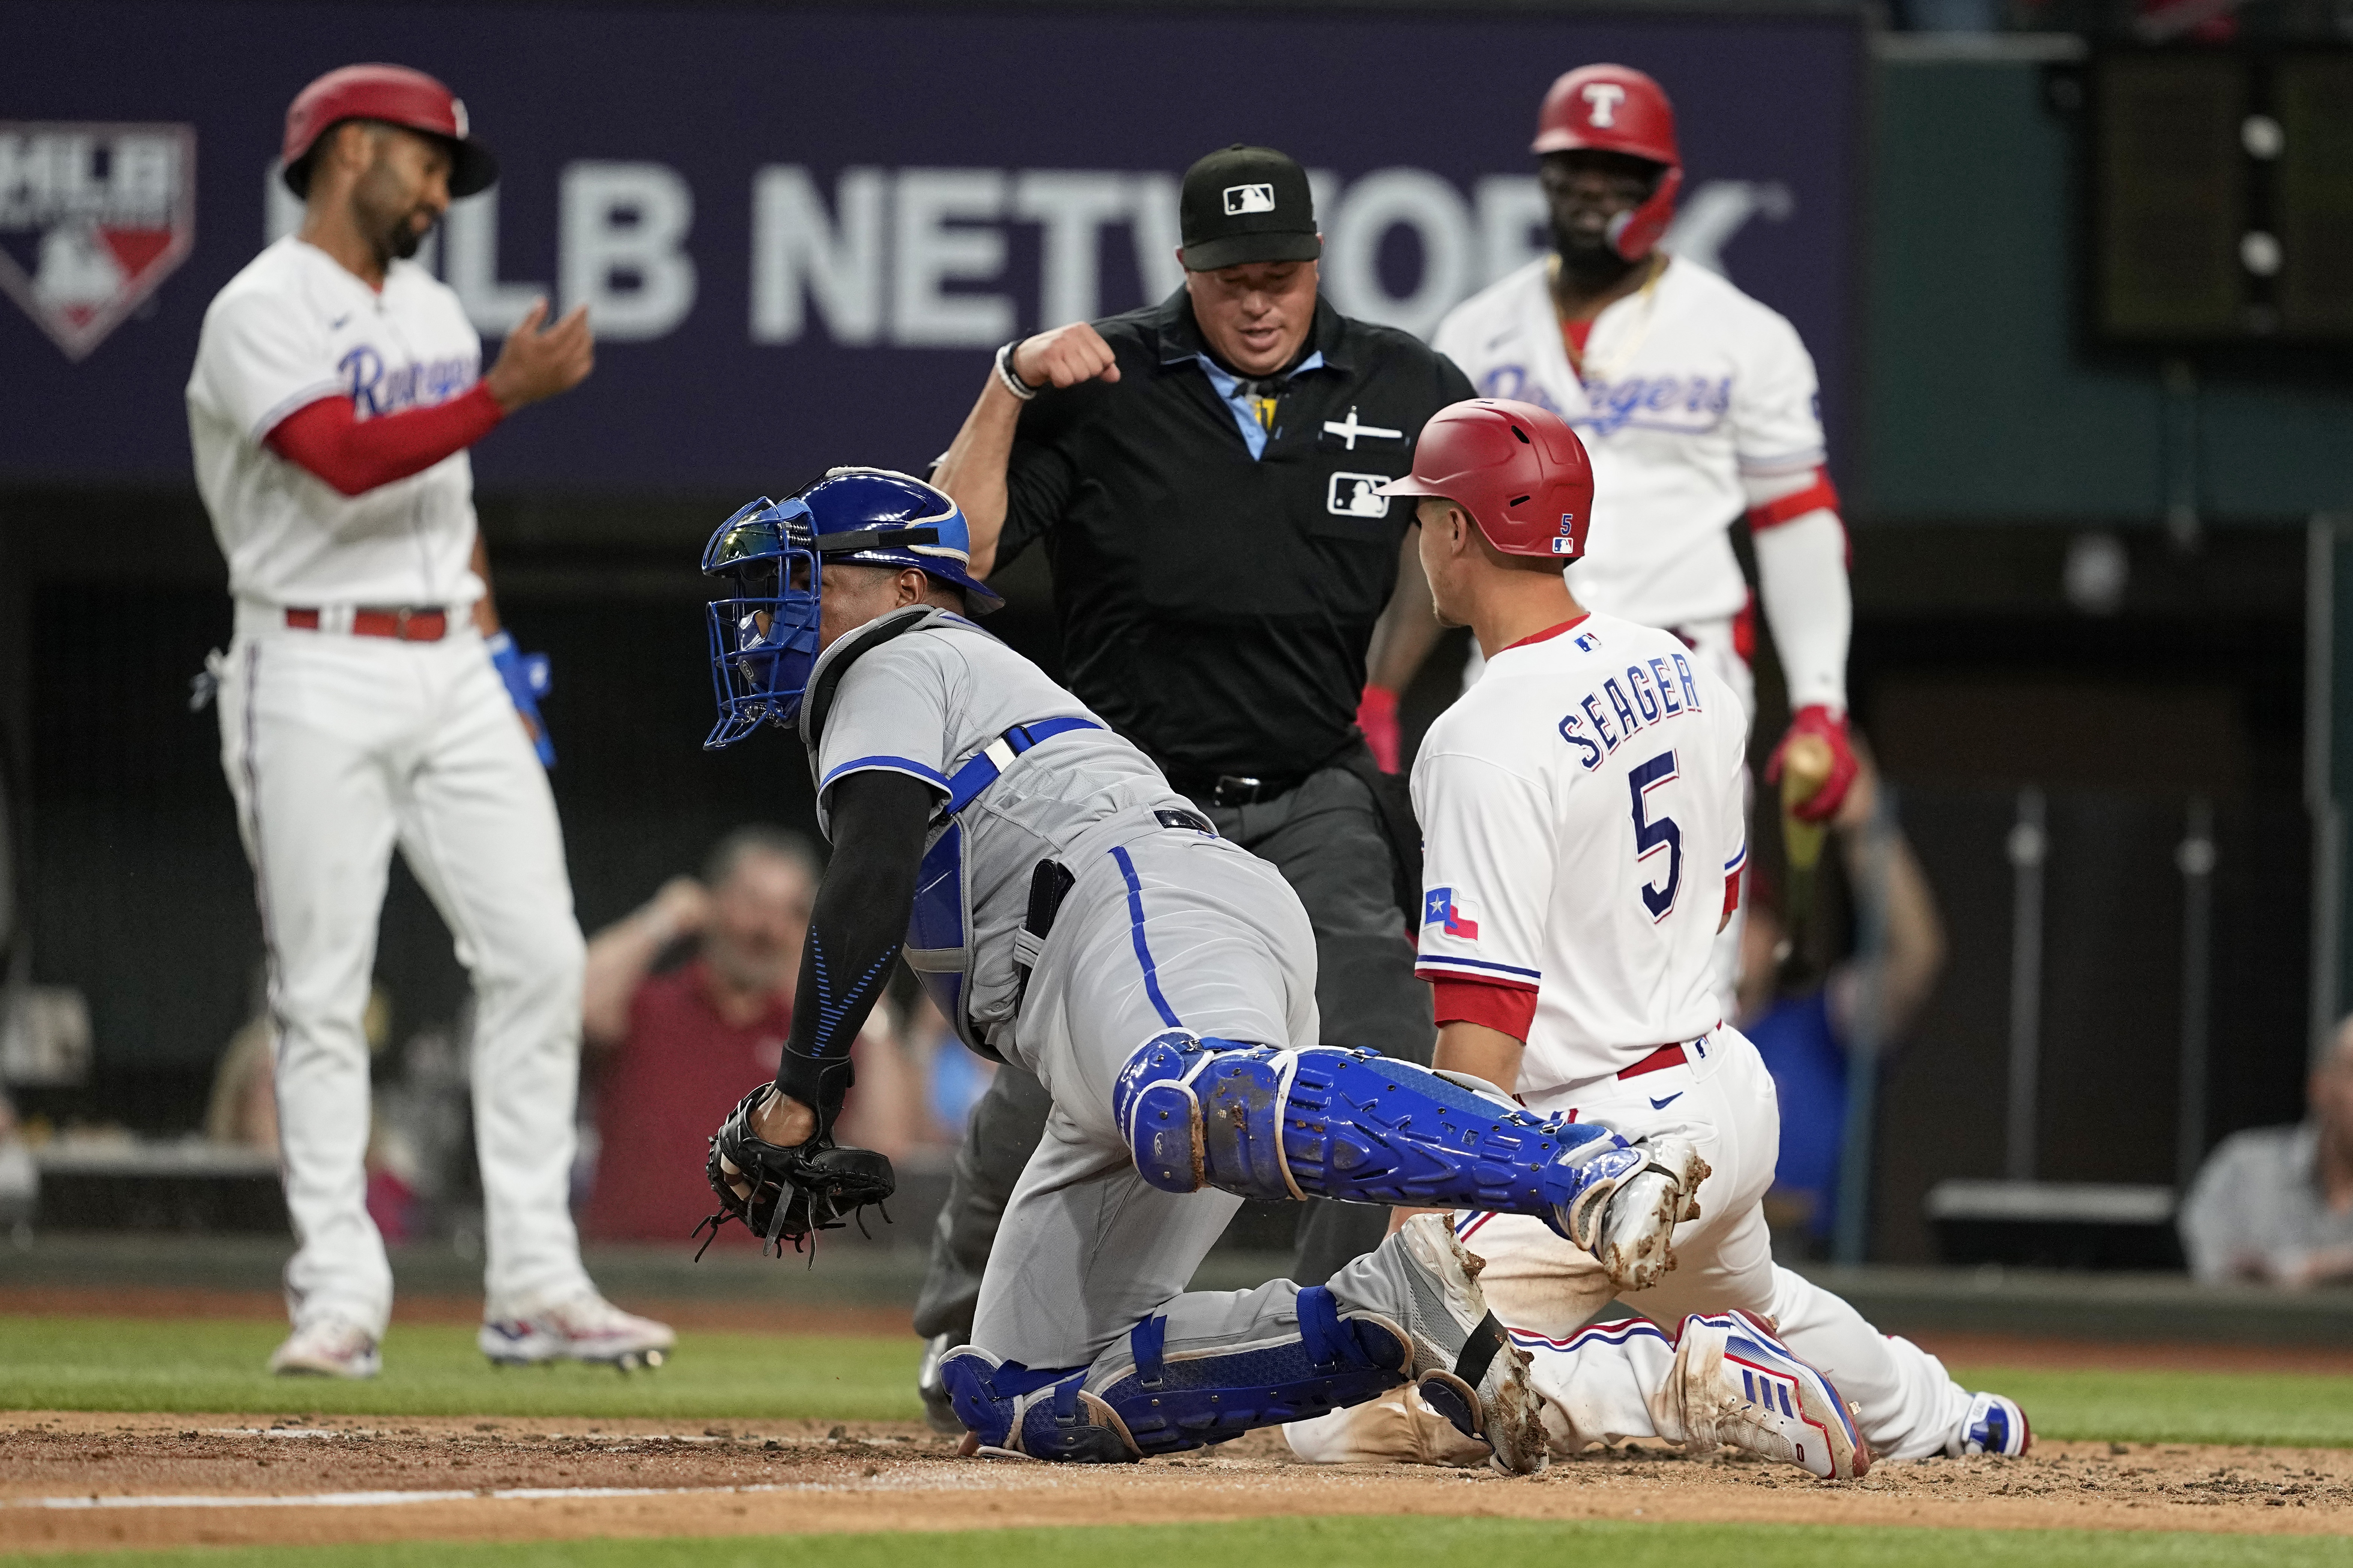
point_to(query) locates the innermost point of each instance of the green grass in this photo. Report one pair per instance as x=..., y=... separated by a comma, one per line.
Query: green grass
x=1358, y=1542
x=2293, y=1408
x=100, y=1364
x=90, y=1363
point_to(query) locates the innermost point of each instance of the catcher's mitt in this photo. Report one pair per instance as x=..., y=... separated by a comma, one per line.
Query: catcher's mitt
x=793, y=1193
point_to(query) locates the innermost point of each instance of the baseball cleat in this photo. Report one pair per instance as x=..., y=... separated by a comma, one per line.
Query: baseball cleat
x=1465, y=1366
x=585, y=1328
x=1994, y=1425
x=933, y=1389
x=329, y=1347
x=1741, y=1387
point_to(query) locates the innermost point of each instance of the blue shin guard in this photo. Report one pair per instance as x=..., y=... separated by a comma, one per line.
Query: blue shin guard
x=1150, y=1403
x=1323, y=1121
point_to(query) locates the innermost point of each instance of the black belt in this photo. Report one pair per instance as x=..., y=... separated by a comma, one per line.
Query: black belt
x=1236, y=789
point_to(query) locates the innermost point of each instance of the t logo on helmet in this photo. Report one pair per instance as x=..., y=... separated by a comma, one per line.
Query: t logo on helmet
x=1604, y=97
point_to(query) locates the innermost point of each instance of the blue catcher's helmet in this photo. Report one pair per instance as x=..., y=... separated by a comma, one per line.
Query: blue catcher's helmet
x=764, y=634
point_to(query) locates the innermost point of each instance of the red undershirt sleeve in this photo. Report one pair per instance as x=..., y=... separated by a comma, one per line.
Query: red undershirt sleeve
x=353, y=455
x=1508, y=1009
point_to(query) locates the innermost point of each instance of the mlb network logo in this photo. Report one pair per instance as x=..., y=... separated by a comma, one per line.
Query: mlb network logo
x=93, y=217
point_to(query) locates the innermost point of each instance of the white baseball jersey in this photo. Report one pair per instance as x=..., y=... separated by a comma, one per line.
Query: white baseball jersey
x=1582, y=807
x=295, y=326
x=1690, y=388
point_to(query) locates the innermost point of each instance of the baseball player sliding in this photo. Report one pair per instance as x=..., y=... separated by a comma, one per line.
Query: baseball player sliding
x=370, y=699
x=1074, y=915
x=1583, y=807
x=1697, y=404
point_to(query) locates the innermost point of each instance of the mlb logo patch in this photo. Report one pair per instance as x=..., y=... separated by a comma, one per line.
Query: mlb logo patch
x=1564, y=547
x=1440, y=907
x=1357, y=495
x=93, y=216
x=1587, y=642
x=1242, y=199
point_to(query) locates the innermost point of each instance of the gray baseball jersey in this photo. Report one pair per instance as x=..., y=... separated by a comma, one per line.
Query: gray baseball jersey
x=926, y=701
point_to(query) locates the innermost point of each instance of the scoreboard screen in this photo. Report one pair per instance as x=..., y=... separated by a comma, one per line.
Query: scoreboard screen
x=2222, y=191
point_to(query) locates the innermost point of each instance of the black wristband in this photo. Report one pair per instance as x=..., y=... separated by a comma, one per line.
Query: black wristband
x=1011, y=377
x=820, y=1084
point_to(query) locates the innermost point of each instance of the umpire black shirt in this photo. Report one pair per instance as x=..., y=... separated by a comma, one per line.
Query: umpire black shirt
x=1216, y=607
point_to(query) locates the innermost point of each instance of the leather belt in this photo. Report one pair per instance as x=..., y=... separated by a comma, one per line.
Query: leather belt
x=1660, y=1060
x=1235, y=789
x=401, y=625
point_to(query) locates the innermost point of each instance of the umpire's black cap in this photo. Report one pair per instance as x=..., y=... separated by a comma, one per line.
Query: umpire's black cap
x=1247, y=203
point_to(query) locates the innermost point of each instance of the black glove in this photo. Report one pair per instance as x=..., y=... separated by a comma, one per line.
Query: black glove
x=793, y=1192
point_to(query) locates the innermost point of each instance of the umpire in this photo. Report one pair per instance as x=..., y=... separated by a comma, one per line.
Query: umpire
x=1201, y=473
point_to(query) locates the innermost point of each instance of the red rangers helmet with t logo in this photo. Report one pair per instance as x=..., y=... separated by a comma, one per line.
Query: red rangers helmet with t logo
x=1616, y=109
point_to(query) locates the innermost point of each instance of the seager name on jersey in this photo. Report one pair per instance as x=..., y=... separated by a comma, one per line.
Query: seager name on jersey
x=1648, y=694
x=376, y=388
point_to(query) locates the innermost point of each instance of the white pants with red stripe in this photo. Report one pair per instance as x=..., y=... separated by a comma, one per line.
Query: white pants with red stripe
x=337, y=748
x=1605, y=1381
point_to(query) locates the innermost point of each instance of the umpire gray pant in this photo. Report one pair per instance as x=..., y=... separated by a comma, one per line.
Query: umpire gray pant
x=1325, y=838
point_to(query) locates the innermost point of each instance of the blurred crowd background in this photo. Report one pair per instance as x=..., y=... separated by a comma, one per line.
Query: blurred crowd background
x=2095, y=441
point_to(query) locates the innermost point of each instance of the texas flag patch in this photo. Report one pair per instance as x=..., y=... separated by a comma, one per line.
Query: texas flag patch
x=1440, y=907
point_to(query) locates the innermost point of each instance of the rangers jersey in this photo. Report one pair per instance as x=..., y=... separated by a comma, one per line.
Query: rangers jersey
x=293, y=327
x=1583, y=810
x=1693, y=393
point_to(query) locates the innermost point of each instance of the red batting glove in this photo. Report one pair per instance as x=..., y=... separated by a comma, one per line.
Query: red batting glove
x=1376, y=716
x=1817, y=720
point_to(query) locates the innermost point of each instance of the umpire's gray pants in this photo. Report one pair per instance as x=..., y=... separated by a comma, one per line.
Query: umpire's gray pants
x=1325, y=839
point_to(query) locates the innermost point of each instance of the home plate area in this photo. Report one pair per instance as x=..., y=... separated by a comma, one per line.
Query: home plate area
x=82, y=1480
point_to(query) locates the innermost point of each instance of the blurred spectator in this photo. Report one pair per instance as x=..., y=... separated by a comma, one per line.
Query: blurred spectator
x=1804, y=1034
x=953, y=1079
x=2275, y=1203
x=674, y=1049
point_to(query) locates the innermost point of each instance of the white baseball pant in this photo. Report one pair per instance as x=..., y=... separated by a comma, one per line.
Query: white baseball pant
x=1602, y=1381
x=338, y=747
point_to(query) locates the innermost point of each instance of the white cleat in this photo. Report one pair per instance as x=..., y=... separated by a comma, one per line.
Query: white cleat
x=585, y=1327
x=1636, y=1242
x=327, y=1347
x=1740, y=1388
x=1465, y=1366
x=1994, y=1425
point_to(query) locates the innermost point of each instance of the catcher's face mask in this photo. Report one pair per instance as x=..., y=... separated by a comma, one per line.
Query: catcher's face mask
x=764, y=633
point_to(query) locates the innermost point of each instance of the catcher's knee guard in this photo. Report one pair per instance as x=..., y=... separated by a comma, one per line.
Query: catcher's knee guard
x=1142, y=1402
x=1322, y=1121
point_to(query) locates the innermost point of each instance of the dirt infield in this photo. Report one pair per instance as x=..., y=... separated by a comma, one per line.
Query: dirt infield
x=161, y=1482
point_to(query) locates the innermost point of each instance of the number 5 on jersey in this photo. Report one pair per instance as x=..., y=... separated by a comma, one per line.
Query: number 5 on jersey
x=1652, y=834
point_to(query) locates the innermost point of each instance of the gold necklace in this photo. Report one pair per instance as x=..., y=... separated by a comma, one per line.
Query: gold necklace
x=1647, y=293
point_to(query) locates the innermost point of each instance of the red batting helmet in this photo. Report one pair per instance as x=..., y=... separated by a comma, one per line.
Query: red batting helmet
x=1519, y=470
x=1616, y=109
x=397, y=96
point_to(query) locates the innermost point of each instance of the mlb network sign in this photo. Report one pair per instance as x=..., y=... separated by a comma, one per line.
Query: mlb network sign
x=93, y=217
x=800, y=230
x=923, y=258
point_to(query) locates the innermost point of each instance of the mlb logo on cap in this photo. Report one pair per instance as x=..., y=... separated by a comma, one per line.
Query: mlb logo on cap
x=1564, y=547
x=1240, y=199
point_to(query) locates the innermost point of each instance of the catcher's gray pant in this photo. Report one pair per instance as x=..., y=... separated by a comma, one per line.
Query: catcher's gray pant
x=1161, y=930
x=1325, y=840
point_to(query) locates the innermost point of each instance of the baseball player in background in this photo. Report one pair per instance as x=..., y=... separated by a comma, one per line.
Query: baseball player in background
x=370, y=699
x=1584, y=811
x=1698, y=405
x=1074, y=915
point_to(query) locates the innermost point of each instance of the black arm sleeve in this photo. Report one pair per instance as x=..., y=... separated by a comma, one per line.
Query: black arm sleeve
x=878, y=822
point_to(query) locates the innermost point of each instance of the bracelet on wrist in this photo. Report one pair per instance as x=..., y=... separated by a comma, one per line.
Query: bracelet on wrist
x=1012, y=379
